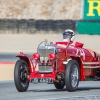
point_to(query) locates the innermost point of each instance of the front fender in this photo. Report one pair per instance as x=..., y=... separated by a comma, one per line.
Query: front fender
x=27, y=59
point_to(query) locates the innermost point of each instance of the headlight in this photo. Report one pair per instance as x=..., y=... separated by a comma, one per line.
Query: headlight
x=52, y=56
x=36, y=56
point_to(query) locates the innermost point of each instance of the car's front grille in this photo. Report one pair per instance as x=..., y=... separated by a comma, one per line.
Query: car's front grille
x=44, y=52
x=45, y=68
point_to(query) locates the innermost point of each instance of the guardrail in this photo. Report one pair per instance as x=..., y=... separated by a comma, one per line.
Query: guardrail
x=35, y=26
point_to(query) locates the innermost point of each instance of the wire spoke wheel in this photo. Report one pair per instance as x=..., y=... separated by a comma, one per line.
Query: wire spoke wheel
x=72, y=75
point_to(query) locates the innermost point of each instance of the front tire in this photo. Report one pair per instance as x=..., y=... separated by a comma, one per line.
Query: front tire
x=72, y=75
x=59, y=86
x=20, y=75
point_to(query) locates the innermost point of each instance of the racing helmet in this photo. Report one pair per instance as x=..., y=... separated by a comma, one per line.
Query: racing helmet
x=68, y=33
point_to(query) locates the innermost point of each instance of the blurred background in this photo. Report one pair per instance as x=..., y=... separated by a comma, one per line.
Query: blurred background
x=25, y=23
x=37, y=16
x=49, y=16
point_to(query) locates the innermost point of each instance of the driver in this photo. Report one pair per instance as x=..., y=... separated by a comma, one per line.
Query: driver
x=68, y=35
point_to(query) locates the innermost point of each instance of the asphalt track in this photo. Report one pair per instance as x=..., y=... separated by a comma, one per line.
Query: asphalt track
x=88, y=90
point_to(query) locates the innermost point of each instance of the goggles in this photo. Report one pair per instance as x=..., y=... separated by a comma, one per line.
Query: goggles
x=67, y=34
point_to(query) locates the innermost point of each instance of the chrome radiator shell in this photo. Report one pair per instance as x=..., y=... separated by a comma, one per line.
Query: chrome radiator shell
x=44, y=52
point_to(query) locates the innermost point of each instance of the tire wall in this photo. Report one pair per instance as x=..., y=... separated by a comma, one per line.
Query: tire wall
x=33, y=26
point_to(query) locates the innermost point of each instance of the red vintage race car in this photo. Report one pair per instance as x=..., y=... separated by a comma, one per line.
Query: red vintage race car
x=61, y=64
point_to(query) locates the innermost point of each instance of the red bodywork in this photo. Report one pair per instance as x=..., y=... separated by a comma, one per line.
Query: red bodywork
x=88, y=61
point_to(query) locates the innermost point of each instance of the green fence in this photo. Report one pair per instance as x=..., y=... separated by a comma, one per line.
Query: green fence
x=88, y=27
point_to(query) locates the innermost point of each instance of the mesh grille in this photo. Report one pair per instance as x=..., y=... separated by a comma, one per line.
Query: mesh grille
x=45, y=68
x=44, y=52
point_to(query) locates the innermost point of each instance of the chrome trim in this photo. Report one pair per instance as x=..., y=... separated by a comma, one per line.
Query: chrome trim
x=90, y=62
x=44, y=52
x=91, y=66
x=45, y=71
x=66, y=62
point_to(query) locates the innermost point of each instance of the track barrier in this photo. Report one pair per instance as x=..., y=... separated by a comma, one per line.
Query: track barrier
x=35, y=26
